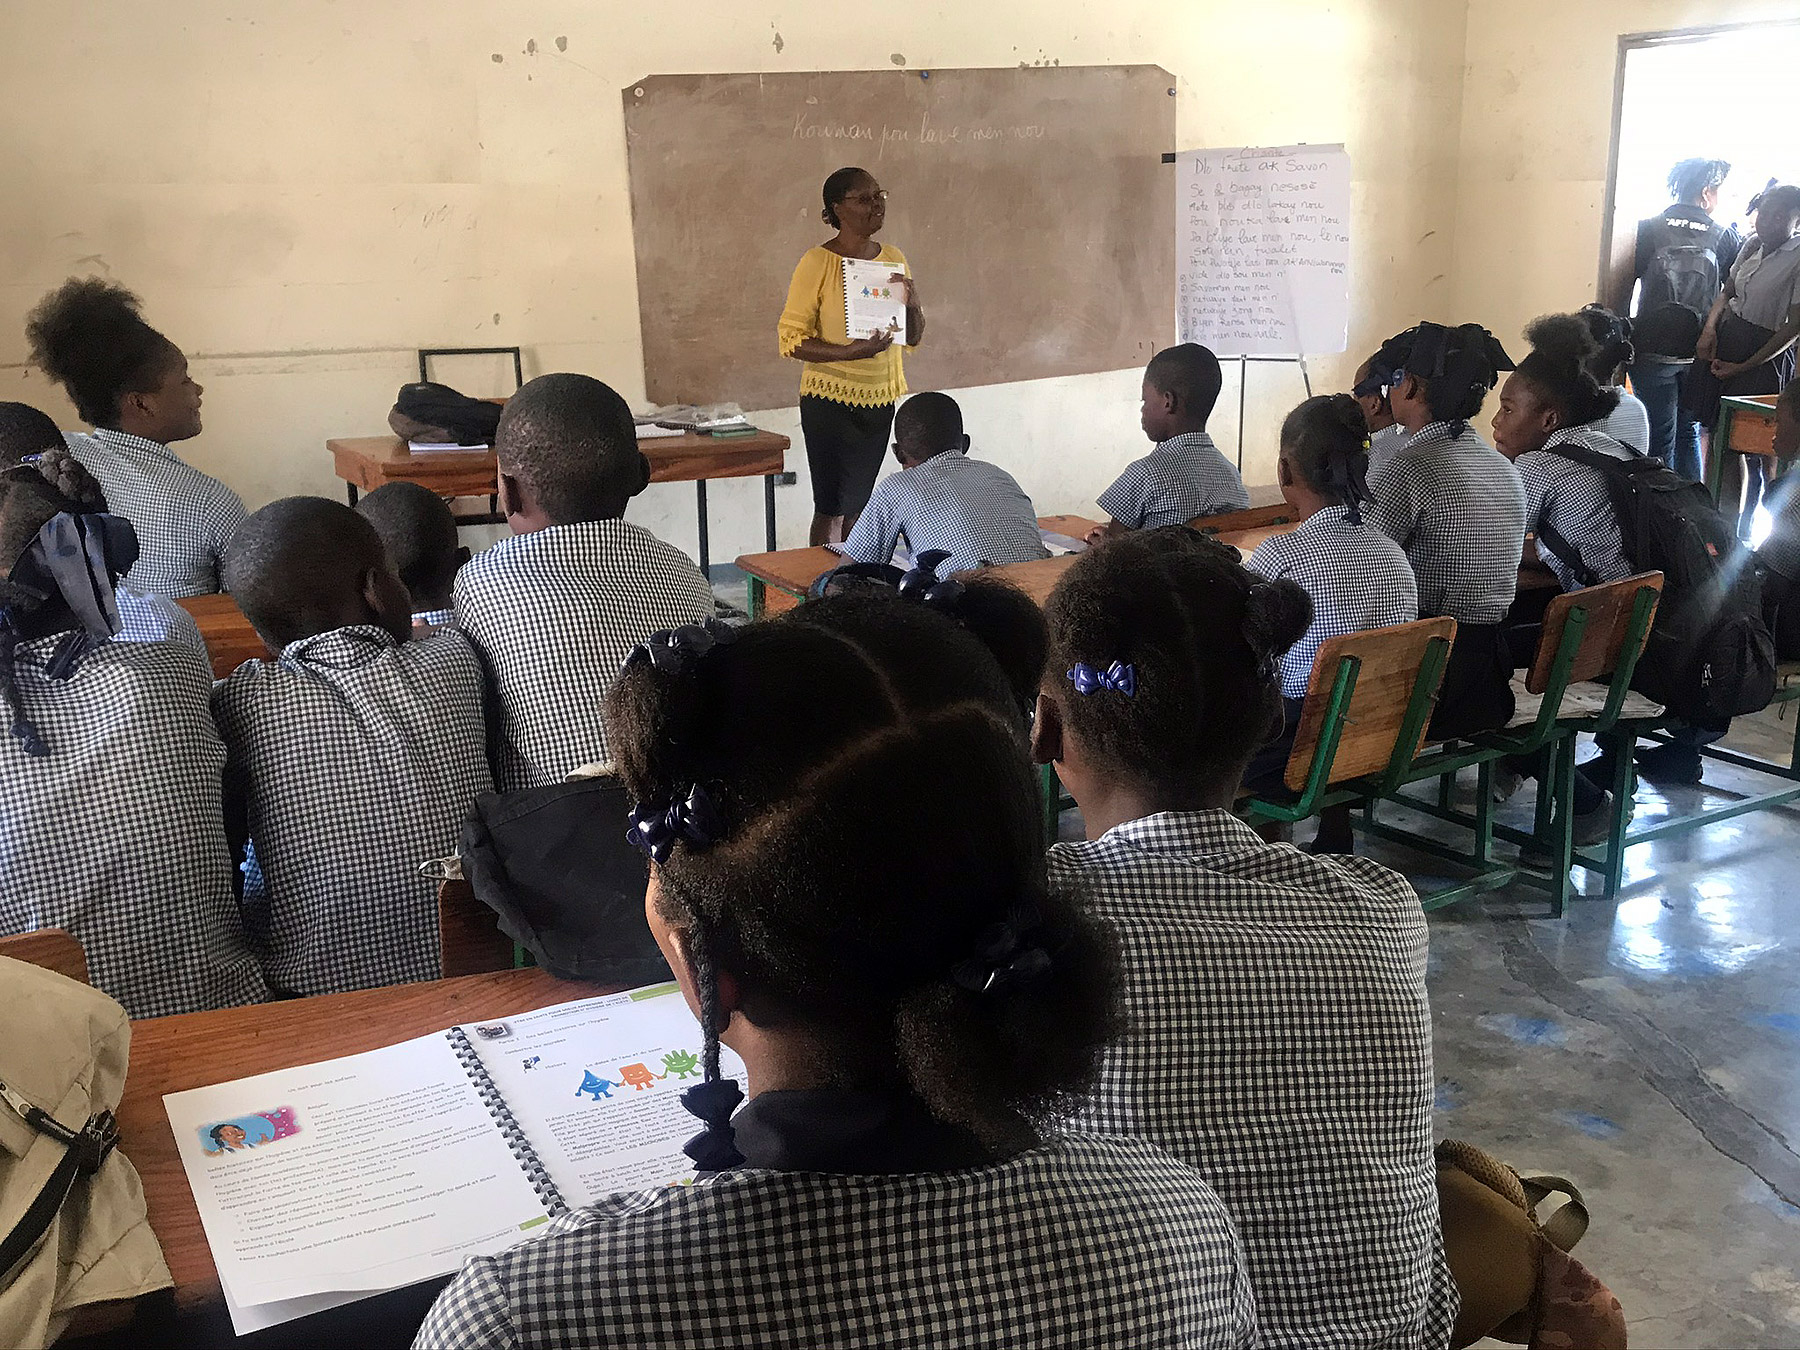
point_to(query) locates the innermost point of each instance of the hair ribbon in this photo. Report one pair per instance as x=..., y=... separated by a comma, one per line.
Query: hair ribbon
x=1119, y=677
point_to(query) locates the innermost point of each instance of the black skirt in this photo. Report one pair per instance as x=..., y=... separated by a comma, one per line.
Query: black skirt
x=844, y=450
x=1739, y=339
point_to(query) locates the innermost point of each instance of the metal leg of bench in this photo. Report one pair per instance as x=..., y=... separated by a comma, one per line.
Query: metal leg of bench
x=759, y=602
x=705, y=559
x=350, y=489
x=1623, y=788
x=769, y=509
x=1484, y=812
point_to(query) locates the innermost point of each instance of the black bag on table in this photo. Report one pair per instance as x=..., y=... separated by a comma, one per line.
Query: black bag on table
x=1710, y=656
x=426, y=411
x=554, y=864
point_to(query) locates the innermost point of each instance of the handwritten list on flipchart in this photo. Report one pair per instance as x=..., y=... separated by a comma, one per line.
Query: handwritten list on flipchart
x=1262, y=249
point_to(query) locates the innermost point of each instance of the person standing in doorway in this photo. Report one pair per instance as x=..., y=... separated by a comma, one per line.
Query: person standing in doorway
x=1682, y=259
x=850, y=386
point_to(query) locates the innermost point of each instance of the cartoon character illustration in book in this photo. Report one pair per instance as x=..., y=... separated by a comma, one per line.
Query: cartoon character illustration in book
x=594, y=1085
x=638, y=1076
x=229, y=1138
x=681, y=1063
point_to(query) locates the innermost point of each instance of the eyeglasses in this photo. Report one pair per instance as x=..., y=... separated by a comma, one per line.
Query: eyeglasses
x=869, y=198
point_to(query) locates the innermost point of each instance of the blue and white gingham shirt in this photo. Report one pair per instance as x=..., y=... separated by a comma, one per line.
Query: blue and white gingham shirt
x=1573, y=499
x=1184, y=478
x=184, y=519
x=1457, y=507
x=153, y=618
x=973, y=510
x=1357, y=577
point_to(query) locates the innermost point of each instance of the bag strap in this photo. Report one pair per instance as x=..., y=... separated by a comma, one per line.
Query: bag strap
x=1569, y=1224
x=1567, y=553
x=84, y=1152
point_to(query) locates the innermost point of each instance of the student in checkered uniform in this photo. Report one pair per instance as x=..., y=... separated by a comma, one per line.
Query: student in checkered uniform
x=109, y=764
x=418, y=531
x=853, y=898
x=1184, y=477
x=1356, y=577
x=942, y=499
x=555, y=609
x=1457, y=507
x=1277, y=1032
x=354, y=756
x=25, y=434
x=131, y=384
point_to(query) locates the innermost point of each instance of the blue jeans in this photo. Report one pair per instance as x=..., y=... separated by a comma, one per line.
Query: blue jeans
x=1674, y=434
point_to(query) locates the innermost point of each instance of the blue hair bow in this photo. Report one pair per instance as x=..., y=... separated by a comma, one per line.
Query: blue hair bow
x=656, y=827
x=714, y=1149
x=1119, y=677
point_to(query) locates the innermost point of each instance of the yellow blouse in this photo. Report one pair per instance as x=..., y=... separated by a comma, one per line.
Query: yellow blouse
x=815, y=308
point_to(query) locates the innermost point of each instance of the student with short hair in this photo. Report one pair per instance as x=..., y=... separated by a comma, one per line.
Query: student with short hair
x=1626, y=422
x=1457, y=507
x=554, y=609
x=418, y=530
x=853, y=898
x=354, y=755
x=941, y=499
x=26, y=434
x=1277, y=1032
x=1386, y=435
x=1356, y=577
x=1184, y=477
x=109, y=763
x=131, y=384
x=1780, y=552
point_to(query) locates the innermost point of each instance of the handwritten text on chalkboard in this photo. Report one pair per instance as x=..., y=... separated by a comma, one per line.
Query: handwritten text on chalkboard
x=1262, y=249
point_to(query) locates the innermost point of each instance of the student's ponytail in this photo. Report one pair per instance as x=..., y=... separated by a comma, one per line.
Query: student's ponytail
x=1326, y=440
x=1562, y=350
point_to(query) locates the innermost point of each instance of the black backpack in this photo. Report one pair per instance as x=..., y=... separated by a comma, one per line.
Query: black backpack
x=431, y=411
x=1680, y=283
x=1710, y=656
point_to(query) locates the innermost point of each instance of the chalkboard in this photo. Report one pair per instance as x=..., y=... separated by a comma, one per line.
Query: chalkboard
x=1262, y=249
x=1032, y=204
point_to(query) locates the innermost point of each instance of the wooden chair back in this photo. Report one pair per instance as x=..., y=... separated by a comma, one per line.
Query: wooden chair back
x=52, y=948
x=469, y=938
x=1388, y=669
x=1608, y=608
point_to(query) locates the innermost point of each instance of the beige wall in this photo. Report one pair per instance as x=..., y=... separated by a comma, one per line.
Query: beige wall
x=305, y=192
x=1536, y=133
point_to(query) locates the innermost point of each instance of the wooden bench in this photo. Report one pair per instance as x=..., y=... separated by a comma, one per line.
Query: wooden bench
x=230, y=640
x=469, y=938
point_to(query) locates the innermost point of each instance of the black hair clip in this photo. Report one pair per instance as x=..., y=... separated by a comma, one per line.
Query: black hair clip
x=673, y=649
x=920, y=585
x=656, y=827
x=714, y=1149
x=1005, y=957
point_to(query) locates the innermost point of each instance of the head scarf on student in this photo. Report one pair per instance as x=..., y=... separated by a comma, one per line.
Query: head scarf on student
x=56, y=540
x=1452, y=362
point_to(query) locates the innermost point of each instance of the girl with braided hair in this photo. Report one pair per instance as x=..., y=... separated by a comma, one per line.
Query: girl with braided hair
x=1457, y=508
x=1277, y=1031
x=853, y=897
x=1356, y=577
x=131, y=384
x=113, y=742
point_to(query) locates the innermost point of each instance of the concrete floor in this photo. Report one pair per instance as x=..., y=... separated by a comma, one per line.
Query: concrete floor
x=1646, y=1050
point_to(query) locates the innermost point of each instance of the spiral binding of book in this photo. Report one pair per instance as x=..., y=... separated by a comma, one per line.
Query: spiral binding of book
x=529, y=1163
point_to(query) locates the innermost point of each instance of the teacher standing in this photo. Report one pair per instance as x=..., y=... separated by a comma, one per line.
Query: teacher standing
x=849, y=388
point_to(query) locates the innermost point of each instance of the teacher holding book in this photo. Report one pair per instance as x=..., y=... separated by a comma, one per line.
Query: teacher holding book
x=849, y=300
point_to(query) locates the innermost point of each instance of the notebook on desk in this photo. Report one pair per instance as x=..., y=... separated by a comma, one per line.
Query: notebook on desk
x=336, y=1181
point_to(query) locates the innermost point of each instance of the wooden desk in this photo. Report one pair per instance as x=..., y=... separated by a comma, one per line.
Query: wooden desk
x=792, y=571
x=230, y=640
x=367, y=462
x=173, y=1054
x=1746, y=427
